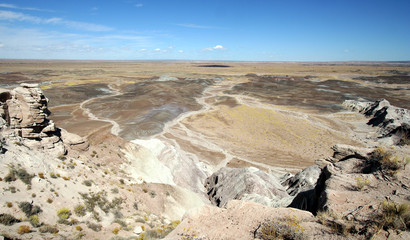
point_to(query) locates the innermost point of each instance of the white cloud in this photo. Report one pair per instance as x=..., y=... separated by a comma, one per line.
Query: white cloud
x=180, y=51
x=190, y=25
x=139, y=5
x=170, y=47
x=217, y=47
x=16, y=16
x=94, y=9
x=157, y=49
x=12, y=6
x=1, y=45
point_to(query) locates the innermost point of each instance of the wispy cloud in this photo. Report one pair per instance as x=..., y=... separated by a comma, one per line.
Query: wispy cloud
x=217, y=47
x=138, y=5
x=190, y=25
x=16, y=16
x=12, y=6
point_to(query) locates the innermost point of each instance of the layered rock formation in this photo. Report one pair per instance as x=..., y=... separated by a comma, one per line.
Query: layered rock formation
x=393, y=122
x=24, y=118
x=244, y=184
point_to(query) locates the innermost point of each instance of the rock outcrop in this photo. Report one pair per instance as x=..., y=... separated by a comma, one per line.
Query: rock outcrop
x=393, y=122
x=249, y=184
x=303, y=181
x=24, y=118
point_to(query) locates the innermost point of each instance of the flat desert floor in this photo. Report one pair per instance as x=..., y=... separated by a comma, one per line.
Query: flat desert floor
x=262, y=114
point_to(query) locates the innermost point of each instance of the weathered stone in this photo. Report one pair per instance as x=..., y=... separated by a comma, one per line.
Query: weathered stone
x=303, y=181
x=25, y=114
x=393, y=122
x=248, y=183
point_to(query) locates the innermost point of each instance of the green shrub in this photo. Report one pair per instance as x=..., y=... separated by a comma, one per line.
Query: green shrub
x=9, y=204
x=52, y=175
x=64, y=213
x=361, y=183
x=34, y=221
x=395, y=215
x=7, y=219
x=48, y=229
x=388, y=163
x=114, y=190
x=23, y=229
x=29, y=209
x=80, y=210
x=115, y=230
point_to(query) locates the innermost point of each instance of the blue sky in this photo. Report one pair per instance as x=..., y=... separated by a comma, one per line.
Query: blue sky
x=243, y=30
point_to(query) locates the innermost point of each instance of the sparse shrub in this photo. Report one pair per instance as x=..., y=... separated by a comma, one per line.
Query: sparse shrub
x=23, y=229
x=52, y=175
x=73, y=222
x=58, y=175
x=361, y=183
x=62, y=157
x=49, y=200
x=24, y=176
x=115, y=230
x=33, y=195
x=29, y=209
x=12, y=189
x=64, y=213
x=122, y=181
x=388, y=163
x=135, y=205
x=153, y=194
x=10, y=177
x=41, y=175
x=34, y=221
x=48, y=229
x=114, y=190
x=78, y=228
x=94, y=226
x=88, y=183
x=285, y=228
x=66, y=178
x=9, y=204
x=145, y=190
x=7, y=219
x=394, y=215
x=80, y=210
x=100, y=199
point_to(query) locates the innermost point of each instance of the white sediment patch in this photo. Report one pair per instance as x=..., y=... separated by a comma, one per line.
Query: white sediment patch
x=145, y=165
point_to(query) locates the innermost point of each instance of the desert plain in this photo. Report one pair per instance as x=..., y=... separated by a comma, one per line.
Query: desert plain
x=181, y=121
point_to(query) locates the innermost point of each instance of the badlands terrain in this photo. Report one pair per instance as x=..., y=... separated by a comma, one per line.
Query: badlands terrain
x=204, y=150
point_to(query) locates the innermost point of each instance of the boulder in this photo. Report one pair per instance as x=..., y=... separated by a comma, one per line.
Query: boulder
x=73, y=141
x=303, y=181
x=243, y=184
